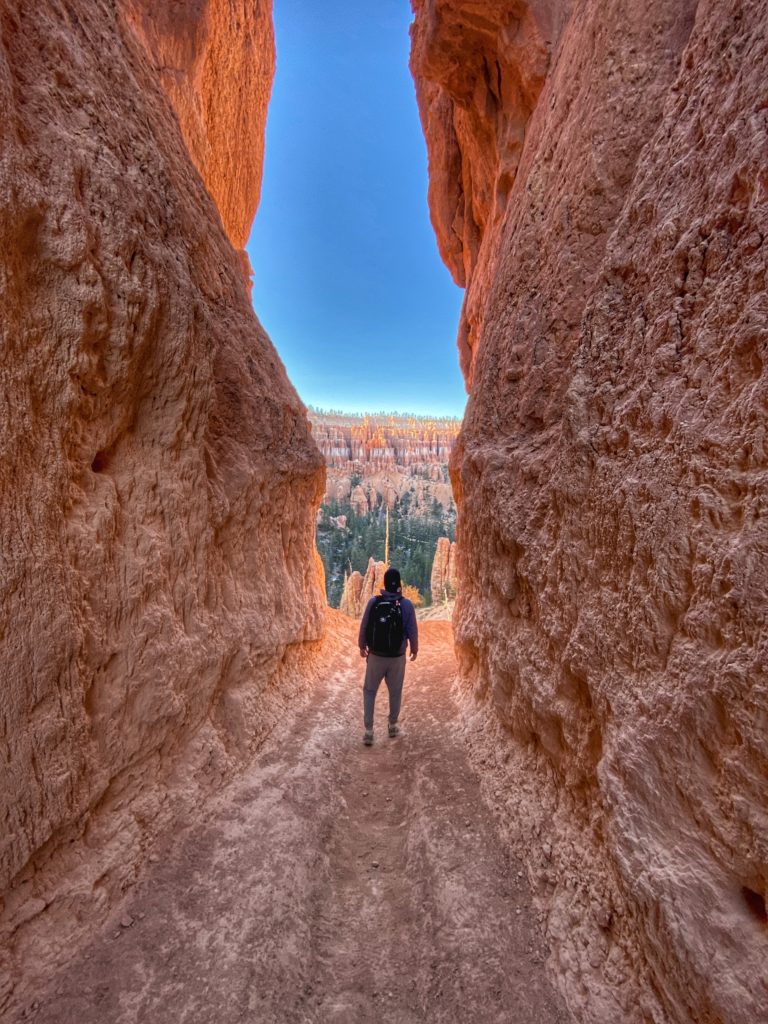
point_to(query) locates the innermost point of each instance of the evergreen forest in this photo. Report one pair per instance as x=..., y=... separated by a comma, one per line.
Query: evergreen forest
x=413, y=535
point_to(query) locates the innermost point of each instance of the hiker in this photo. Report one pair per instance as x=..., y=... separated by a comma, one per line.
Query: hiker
x=388, y=626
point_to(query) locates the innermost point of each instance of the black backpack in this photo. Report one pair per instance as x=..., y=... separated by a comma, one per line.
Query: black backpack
x=384, y=633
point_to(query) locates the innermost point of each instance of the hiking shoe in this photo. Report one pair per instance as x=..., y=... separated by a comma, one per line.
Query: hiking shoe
x=368, y=737
x=394, y=730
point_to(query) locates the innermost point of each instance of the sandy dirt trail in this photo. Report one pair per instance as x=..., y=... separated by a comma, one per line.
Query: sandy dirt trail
x=329, y=883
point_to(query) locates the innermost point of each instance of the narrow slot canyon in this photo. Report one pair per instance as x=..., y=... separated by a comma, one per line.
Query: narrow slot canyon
x=571, y=824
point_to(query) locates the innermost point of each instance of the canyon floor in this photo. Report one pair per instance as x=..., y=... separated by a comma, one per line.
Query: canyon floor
x=329, y=883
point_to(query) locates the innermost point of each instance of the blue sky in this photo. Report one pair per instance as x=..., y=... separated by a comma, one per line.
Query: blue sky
x=347, y=278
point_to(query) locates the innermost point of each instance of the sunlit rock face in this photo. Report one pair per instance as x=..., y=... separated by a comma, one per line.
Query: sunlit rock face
x=359, y=588
x=215, y=60
x=350, y=598
x=444, y=578
x=479, y=68
x=611, y=473
x=159, y=578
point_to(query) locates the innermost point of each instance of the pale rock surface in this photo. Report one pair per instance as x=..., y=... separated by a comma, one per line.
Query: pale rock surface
x=160, y=590
x=612, y=474
x=350, y=597
x=373, y=582
x=436, y=612
x=359, y=500
x=444, y=577
x=358, y=589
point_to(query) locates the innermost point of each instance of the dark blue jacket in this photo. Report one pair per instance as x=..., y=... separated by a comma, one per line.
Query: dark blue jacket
x=410, y=629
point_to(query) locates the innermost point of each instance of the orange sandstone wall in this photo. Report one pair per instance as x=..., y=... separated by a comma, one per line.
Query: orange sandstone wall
x=598, y=181
x=159, y=579
x=215, y=60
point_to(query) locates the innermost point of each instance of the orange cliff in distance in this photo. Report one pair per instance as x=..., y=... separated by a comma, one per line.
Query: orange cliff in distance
x=598, y=183
x=388, y=454
x=372, y=443
x=161, y=589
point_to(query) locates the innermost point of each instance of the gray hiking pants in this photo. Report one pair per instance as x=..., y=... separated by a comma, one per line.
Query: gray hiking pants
x=392, y=671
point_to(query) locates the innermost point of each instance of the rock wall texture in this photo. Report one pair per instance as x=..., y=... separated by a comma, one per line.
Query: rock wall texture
x=599, y=182
x=359, y=589
x=350, y=597
x=160, y=588
x=215, y=60
x=444, y=580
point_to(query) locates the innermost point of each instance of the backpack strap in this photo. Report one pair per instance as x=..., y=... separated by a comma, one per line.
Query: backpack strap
x=369, y=626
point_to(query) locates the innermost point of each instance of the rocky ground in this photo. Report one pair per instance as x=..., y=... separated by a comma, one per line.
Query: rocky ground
x=329, y=883
x=439, y=612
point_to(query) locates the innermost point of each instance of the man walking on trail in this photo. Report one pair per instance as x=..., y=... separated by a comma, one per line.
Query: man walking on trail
x=388, y=626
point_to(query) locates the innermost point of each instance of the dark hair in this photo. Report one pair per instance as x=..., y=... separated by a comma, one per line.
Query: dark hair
x=392, y=581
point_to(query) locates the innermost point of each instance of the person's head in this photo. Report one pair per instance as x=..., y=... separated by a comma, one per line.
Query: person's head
x=392, y=581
